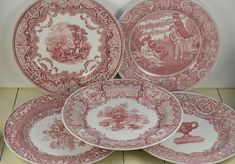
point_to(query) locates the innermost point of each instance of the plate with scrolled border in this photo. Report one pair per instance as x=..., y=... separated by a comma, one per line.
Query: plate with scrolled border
x=207, y=133
x=35, y=133
x=61, y=46
x=171, y=43
x=122, y=114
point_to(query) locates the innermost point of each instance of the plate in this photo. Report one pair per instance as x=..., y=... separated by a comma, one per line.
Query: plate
x=122, y=114
x=207, y=134
x=35, y=132
x=171, y=43
x=63, y=45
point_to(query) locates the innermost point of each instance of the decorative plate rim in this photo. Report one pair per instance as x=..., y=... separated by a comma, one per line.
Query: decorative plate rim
x=209, y=70
x=122, y=149
x=56, y=92
x=25, y=159
x=197, y=94
x=15, y=110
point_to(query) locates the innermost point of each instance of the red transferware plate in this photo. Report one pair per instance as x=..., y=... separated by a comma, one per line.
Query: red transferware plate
x=207, y=134
x=35, y=132
x=63, y=45
x=122, y=114
x=171, y=43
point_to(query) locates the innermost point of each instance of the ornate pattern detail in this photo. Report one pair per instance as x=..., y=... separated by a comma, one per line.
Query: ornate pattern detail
x=19, y=124
x=68, y=43
x=167, y=40
x=162, y=103
x=60, y=138
x=119, y=117
x=220, y=116
x=66, y=46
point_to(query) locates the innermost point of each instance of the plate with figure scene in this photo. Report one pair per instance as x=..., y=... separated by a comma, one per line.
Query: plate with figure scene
x=171, y=43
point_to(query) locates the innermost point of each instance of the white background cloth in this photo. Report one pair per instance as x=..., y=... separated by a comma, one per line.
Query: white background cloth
x=222, y=74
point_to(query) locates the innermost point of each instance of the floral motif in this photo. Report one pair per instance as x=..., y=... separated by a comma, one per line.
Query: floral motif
x=205, y=106
x=149, y=128
x=67, y=43
x=23, y=120
x=60, y=138
x=119, y=117
x=184, y=81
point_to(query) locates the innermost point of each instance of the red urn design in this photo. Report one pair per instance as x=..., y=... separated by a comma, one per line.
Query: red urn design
x=186, y=128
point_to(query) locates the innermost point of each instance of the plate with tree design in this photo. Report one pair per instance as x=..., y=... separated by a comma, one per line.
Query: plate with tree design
x=171, y=43
x=207, y=134
x=63, y=45
x=122, y=114
x=35, y=132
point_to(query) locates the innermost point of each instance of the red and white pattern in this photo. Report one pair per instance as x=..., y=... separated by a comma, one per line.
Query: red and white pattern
x=127, y=118
x=171, y=43
x=35, y=132
x=214, y=131
x=119, y=117
x=169, y=53
x=60, y=138
x=64, y=45
x=68, y=43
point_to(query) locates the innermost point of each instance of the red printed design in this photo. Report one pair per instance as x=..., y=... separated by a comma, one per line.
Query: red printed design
x=60, y=138
x=165, y=42
x=171, y=43
x=186, y=128
x=113, y=116
x=220, y=116
x=52, y=31
x=119, y=118
x=67, y=43
x=18, y=135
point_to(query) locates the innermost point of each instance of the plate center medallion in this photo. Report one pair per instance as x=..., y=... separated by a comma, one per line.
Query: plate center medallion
x=119, y=117
x=71, y=45
x=67, y=43
x=164, y=43
x=122, y=117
